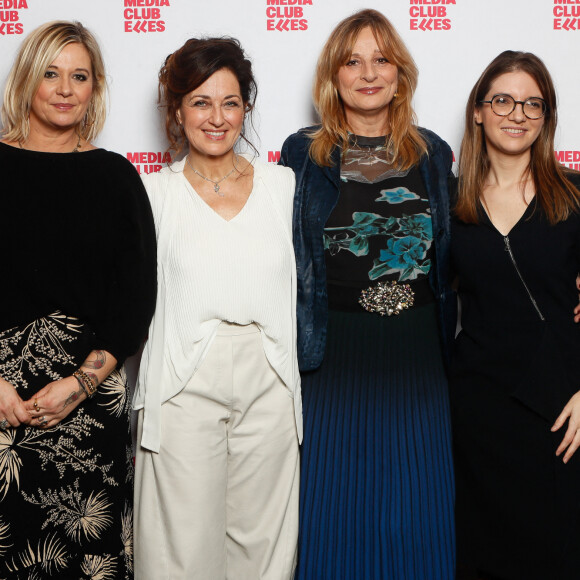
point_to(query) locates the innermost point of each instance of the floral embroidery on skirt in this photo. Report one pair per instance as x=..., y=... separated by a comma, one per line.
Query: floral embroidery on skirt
x=65, y=492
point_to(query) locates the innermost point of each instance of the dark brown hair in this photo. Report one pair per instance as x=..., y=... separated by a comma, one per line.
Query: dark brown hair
x=189, y=67
x=556, y=195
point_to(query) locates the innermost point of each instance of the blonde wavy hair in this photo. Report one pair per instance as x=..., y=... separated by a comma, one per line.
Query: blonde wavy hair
x=405, y=141
x=36, y=54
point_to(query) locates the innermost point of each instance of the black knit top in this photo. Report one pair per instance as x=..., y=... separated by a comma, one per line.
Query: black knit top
x=77, y=236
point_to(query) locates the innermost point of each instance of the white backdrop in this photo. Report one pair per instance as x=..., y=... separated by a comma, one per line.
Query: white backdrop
x=451, y=40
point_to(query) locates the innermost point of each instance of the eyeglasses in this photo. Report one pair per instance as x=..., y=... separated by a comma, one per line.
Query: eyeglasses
x=504, y=105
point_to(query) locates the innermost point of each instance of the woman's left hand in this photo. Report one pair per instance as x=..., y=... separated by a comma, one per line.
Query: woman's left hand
x=571, y=440
x=49, y=406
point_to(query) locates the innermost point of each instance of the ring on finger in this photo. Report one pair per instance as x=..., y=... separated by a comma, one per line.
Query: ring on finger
x=42, y=420
x=4, y=424
x=36, y=406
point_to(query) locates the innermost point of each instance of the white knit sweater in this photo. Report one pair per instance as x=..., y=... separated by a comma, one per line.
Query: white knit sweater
x=209, y=270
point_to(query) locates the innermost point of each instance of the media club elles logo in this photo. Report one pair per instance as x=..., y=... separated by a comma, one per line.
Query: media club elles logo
x=144, y=16
x=146, y=162
x=566, y=14
x=10, y=16
x=430, y=15
x=287, y=15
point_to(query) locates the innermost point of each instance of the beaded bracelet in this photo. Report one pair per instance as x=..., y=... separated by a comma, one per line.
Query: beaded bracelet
x=87, y=383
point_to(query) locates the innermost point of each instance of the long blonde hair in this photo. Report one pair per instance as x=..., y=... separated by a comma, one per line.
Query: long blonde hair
x=556, y=195
x=36, y=54
x=405, y=142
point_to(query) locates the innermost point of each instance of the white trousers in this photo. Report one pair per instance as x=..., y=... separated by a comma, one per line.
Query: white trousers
x=220, y=499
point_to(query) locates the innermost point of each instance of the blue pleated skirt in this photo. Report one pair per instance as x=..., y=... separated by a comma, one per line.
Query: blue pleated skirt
x=377, y=486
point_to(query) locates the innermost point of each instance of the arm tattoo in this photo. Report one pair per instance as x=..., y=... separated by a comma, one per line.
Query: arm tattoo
x=98, y=362
x=72, y=398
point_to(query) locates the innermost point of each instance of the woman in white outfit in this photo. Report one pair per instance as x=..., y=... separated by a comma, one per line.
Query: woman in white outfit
x=219, y=389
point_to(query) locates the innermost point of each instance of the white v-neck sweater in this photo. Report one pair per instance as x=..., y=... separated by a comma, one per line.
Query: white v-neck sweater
x=210, y=270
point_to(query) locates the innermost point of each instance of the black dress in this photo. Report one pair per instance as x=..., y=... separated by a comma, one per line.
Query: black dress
x=78, y=255
x=515, y=367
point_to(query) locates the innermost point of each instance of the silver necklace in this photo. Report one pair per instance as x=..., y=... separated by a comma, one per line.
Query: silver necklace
x=216, y=186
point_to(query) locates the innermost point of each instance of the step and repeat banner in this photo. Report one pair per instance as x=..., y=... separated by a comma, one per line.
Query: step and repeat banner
x=451, y=40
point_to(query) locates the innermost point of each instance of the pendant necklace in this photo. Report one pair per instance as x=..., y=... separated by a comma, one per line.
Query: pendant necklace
x=75, y=150
x=216, y=186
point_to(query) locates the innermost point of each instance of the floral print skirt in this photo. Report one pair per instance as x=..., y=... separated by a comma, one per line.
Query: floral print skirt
x=65, y=492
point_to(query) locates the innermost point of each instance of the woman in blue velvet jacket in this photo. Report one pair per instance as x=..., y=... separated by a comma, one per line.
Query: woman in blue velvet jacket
x=317, y=191
x=375, y=317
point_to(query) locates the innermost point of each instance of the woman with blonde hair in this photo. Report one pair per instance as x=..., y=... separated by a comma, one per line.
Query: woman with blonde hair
x=78, y=251
x=375, y=317
x=514, y=383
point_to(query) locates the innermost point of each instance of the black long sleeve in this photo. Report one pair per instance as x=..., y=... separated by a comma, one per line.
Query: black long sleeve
x=77, y=235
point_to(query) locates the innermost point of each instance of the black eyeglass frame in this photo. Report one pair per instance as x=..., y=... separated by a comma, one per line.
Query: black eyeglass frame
x=516, y=103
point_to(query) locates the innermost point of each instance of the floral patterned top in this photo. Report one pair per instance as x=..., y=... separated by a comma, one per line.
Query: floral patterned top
x=380, y=229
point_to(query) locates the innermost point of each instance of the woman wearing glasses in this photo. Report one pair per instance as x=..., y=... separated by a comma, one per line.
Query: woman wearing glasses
x=515, y=385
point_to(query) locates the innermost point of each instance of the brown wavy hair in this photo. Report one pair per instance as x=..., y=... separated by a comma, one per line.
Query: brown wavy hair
x=405, y=142
x=556, y=195
x=189, y=67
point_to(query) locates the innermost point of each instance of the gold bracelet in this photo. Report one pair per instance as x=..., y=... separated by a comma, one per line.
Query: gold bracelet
x=89, y=385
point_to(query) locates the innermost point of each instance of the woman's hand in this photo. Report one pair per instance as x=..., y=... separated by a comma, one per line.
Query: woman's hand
x=58, y=399
x=13, y=411
x=49, y=406
x=571, y=440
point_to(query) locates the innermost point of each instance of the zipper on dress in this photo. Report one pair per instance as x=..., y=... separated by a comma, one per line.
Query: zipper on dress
x=509, y=250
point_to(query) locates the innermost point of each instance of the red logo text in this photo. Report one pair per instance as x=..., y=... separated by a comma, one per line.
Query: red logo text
x=10, y=17
x=148, y=161
x=429, y=15
x=286, y=15
x=570, y=159
x=144, y=15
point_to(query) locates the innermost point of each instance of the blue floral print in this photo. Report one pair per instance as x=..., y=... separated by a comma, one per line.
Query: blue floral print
x=354, y=238
x=408, y=238
x=397, y=195
x=418, y=225
x=405, y=256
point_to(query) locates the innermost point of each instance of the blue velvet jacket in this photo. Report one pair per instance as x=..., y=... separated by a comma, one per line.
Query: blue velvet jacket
x=317, y=191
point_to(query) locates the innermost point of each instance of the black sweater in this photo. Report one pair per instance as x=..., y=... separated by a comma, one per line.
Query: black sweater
x=77, y=235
